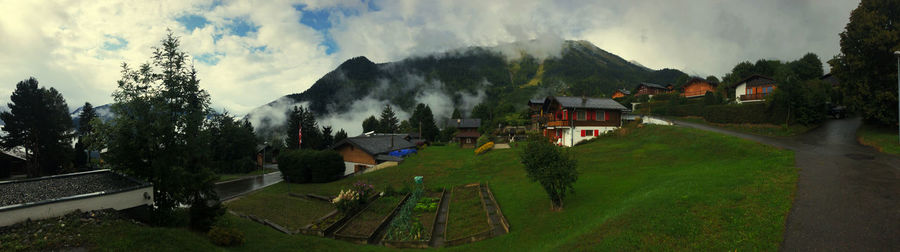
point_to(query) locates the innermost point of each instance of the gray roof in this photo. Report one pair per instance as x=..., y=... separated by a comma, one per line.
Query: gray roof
x=388, y=158
x=652, y=85
x=536, y=101
x=756, y=80
x=624, y=91
x=465, y=123
x=374, y=145
x=588, y=102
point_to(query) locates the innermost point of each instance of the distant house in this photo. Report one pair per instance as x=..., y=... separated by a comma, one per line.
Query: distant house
x=574, y=119
x=534, y=112
x=698, y=87
x=621, y=93
x=466, y=131
x=831, y=79
x=652, y=89
x=365, y=152
x=754, y=88
x=11, y=163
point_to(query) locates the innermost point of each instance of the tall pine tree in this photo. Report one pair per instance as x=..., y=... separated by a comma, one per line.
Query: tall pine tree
x=38, y=119
x=388, y=122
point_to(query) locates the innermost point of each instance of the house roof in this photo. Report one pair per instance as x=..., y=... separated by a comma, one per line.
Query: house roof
x=700, y=80
x=587, y=102
x=623, y=91
x=375, y=145
x=464, y=123
x=536, y=101
x=388, y=158
x=756, y=80
x=652, y=85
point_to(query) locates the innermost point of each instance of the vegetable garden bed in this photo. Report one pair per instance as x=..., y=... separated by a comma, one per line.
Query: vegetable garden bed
x=467, y=220
x=362, y=227
x=423, y=218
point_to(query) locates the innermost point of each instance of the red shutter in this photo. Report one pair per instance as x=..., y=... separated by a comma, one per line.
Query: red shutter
x=596, y=132
x=591, y=114
x=606, y=116
x=583, y=133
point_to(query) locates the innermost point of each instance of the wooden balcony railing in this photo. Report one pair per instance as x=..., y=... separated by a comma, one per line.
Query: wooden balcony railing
x=557, y=123
x=695, y=93
x=756, y=96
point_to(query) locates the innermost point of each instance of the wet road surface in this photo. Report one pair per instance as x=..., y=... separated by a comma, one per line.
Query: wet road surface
x=848, y=195
x=230, y=189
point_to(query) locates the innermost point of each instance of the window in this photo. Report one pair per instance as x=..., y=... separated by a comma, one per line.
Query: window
x=468, y=140
x=601, y=115
x=587, y=133
x=582, y=115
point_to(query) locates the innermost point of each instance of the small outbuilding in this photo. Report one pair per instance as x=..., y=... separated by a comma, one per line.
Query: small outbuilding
x=466, y=131
x=367, y=151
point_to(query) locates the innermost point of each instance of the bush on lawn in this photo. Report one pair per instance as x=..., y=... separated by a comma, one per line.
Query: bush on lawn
x=227, y=237
x=550, y=166
x=311, y=166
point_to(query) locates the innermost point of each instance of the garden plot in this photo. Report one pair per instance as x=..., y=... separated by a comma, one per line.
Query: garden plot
x=413, y=225
x=361, y=227
x=467, y=216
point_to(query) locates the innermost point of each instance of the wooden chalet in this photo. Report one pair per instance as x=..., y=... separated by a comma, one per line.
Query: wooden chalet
x=573, y=119
x=651, y=89
x=534, y=113
x=698, y=87
x=754, y=89
x=466, y=131
x=365, y=152
x=621, y=93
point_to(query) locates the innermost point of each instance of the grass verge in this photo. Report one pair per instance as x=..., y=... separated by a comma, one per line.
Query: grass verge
x=757, y=129
x=885, y=139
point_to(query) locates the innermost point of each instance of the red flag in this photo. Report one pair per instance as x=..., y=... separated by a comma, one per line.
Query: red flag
x=300, y=136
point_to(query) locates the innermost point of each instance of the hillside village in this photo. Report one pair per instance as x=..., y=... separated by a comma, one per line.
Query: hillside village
x=478, y=148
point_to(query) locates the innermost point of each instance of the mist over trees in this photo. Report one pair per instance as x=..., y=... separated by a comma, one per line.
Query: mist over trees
x=38, y=119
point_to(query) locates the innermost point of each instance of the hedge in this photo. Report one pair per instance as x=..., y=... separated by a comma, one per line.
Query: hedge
x=311, y=166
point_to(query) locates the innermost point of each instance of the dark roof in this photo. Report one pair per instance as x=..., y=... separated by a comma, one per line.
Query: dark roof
x=651, y=85
x=587, y=102
x=536, y=101
x=756, y=80
x=374, y=145
x=623, y=91
x=464, y=123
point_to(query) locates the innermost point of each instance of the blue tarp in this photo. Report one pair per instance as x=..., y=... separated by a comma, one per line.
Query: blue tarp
x=402, y=153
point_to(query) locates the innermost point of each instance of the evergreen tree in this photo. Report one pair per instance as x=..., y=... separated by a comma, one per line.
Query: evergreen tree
x=327, y=138
x=370, y=124
x=38, y=119
x=405, y=127
x=157, y=136
x=456, y=114
x=340, y=135
x=388, y=122
x=312, y=137
x=82, y=153
x=232, y=144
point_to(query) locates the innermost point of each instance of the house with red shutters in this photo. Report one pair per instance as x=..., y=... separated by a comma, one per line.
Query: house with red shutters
x=573, y=119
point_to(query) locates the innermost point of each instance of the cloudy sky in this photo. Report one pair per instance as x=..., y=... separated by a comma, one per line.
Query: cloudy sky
x=251, y=52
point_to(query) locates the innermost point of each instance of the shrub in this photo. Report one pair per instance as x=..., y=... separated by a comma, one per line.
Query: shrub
x=311, y=166
x=353, y=199
x=484, y=148
x=548, y=165
x=227, y=237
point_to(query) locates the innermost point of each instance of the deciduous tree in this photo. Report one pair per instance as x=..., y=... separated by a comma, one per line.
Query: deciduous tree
x=551, y=167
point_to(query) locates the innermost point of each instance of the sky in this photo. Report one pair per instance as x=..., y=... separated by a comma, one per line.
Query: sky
x=249, y=53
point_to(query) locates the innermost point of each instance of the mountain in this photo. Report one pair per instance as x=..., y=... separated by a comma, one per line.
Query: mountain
x=461, y=79
x=103, y=111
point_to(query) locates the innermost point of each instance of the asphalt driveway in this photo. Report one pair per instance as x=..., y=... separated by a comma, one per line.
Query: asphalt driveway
x=848, y=195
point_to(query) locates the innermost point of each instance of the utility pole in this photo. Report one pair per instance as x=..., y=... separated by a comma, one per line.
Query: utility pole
x=897, y=53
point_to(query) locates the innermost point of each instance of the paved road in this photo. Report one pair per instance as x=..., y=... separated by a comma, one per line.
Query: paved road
x=848, y=195
x=230, y=189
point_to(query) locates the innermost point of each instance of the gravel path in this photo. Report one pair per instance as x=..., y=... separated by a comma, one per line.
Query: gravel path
x=39, y=190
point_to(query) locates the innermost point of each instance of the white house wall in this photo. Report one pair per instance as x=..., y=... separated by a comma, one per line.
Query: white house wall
x=569, y=140
x=117, y=201
x=740, y=90
x=349, y=167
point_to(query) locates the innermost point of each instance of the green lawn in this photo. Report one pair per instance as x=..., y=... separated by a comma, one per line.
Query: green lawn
x=275, y=204
x=657, y=188
x=233, y=176
x=757, y=129
x=885, y=139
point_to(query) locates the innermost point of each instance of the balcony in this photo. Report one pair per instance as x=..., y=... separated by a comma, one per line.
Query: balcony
x=689, y=94
x=558, y=124
x=754, y=97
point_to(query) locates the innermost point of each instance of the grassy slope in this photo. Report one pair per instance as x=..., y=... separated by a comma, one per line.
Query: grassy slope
x=273, y=203
x=882, y=138
x=758, y=129
x=659, y=188
x=467, y=214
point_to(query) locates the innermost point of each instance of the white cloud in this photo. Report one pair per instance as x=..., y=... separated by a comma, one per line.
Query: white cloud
x=62, y=42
